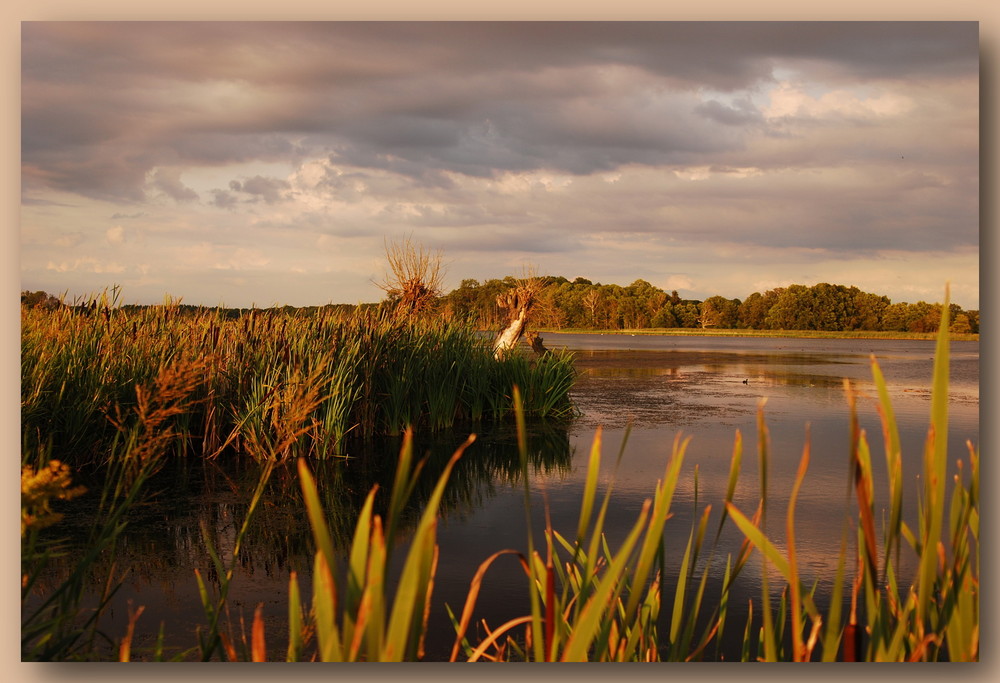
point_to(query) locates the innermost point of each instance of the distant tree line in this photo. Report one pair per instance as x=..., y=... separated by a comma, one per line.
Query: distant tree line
x=582, y=304
x=92, y=305
x=40, y=298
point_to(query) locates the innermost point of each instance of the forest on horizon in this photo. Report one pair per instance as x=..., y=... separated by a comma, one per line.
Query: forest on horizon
x=582, y=304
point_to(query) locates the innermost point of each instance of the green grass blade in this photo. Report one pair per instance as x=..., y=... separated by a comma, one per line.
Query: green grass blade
x=325, y=611
x=760, y=541
x=834, y=630
x=653, y=540
x=412, y=591
x=295, y=644
x=590, y=487
x=358, y=563
x=679, y=596
x=734, y=475
x=375, y=588
x=935, y=469
x=591, y=617
x=314, y=510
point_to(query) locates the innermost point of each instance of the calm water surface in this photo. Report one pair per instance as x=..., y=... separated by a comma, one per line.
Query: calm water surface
x=652, y=387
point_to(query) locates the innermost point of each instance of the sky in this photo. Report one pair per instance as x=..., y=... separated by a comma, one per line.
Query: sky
x=268, y=164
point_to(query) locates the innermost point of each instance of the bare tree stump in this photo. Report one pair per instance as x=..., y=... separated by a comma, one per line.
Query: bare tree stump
x=518, y=303
x=536, y=343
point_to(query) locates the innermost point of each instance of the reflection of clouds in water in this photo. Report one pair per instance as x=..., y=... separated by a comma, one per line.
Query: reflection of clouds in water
x=702, y=394
x=614, y=402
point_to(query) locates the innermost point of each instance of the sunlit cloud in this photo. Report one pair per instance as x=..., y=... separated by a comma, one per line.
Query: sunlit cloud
x=115, y=235
x=791, y=100
x=86, y=265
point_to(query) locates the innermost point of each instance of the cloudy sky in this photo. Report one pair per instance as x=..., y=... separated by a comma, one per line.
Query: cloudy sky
x=269, y=163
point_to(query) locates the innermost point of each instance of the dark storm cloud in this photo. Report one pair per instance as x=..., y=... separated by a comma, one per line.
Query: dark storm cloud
x=169, y=182
x=269, y=190
x=223, y=199
x=848, y=215
x=223, y=147
x=496, y=241
x=743, y=113
x=104, y=104
x=724, y=55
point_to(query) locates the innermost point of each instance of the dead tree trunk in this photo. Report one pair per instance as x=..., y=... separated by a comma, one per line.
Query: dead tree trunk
x=517, y=302
x=536, y=343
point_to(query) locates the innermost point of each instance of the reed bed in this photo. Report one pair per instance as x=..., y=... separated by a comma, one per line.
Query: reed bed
x=58, y=623
x=363, y=374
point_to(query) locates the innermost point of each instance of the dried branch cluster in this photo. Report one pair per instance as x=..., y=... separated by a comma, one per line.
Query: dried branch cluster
x=517, y=302
x=415, y=276
x=523, y=296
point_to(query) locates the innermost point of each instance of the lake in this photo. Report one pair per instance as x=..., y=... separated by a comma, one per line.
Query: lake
x=651, y=387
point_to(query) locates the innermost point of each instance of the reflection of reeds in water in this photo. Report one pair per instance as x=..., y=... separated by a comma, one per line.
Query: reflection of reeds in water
x=61, y=621
x=211, y=497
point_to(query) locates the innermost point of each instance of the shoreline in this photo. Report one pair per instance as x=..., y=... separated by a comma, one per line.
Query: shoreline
x=779, y=334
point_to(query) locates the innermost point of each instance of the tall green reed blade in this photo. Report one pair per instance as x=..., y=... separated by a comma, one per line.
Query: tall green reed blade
x=404, y=482
x=734, y=475
x=745, y=650
x=325, y=611
x=935, y=469
x=359, y=565
x=296, y=643
x=834, y=628
x=692, y=619
x=589, y=488
x=371, y=614
x=608, y=589
x=763, y=440
x=406, y=621
x=865, y=494
x=800, y=650
x=653, y=540
x=960, y=594
x=590, y=554
x=537, y=619
x=894, y=466
x=314, y=510
x=364, y=629
x=679, y=593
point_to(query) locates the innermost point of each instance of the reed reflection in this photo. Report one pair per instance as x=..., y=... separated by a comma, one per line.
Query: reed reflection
x=197, y=500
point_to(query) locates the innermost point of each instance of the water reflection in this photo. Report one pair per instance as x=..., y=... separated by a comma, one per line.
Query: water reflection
x=165, y=539
x=664, y=386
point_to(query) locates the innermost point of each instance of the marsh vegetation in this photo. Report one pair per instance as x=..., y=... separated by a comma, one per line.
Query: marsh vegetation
x=112, y=399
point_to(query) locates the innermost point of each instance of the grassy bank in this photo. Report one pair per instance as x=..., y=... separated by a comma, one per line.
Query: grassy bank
x=790, y=334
